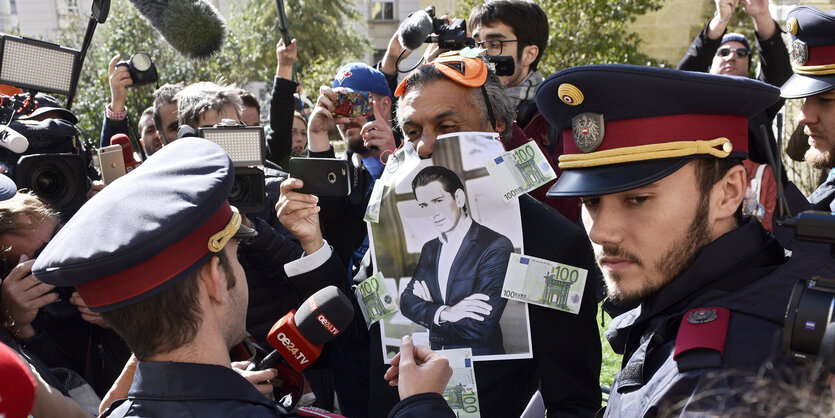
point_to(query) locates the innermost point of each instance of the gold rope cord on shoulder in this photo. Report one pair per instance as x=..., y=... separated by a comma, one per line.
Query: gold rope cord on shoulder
x=814, y=69
x=647, y=152
x=218, y=240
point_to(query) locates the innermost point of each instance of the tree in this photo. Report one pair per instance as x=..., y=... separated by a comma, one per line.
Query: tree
x=586, y=32
x=324, y=29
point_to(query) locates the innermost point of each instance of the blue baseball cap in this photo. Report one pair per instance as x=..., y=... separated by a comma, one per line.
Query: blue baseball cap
x=626, y=126
x=148, y=229
x=812, y=52
x=736, y=37
x=8, y=188
x=358, y=76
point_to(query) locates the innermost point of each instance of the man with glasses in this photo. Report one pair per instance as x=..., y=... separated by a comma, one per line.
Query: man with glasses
x=716, y=52
x=519, y=29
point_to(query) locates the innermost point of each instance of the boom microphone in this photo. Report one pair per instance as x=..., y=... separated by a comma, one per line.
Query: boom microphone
x=414, y=30
x=127, y=151
x=298, y=336
x=192, y=27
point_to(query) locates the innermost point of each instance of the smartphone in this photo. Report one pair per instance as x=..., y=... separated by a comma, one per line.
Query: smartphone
x=111, y=163
x=353, y=105
x=322, y=176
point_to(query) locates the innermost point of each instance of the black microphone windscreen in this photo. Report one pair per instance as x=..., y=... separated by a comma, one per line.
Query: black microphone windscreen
x=323, y=315
x=414, y=29
x=193, y=28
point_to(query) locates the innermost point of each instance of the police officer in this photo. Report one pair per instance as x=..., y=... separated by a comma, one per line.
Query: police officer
x=813, y=38
x=655, y=154
x=162, y=268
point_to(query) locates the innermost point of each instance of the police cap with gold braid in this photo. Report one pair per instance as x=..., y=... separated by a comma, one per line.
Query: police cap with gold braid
x=812, y=52
x=625, y=126
x=148, y=229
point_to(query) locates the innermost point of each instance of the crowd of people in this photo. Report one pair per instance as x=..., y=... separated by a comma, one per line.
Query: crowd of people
x=160, y=298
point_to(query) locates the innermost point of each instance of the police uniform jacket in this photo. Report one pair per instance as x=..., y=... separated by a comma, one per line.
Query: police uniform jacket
x=743, y=271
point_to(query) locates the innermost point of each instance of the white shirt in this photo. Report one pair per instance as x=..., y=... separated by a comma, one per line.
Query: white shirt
x=450, y=244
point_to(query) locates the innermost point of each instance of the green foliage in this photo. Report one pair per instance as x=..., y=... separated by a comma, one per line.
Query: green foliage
x=586, y=32
x=323, y=29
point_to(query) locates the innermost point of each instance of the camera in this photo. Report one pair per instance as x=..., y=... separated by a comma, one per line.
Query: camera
x=246, y=146
x=45, y=156
x=452, y=36
x=808, y=330
x=142, y=70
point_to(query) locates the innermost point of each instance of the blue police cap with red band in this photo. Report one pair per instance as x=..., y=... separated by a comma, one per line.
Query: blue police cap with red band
x=625, y=126
x=812, y=52
x=148, y=229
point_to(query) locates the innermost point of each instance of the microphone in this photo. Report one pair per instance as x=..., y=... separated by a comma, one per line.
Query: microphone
x=127, y=151
x=298, y=337
x=414, y=30
x=13, y=141
x=194, y=28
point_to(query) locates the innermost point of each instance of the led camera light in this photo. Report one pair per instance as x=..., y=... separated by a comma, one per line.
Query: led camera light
x=244, y=144
x=37, y=65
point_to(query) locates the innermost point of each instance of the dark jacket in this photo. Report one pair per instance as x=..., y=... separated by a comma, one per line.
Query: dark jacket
x=112, y=127
x=282, y=107
x=823, y=198
x=479, y=266
x=743, y=271
x=167, y=389
x=775, y=70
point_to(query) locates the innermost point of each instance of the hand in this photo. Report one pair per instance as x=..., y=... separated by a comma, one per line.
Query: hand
x=422, y=291
x=94, y=318
x=474, y=306
x=21, y=296
x=321, y=121
x=95, y=187
x=725, y=9
x=119, y=82
x=299, y=213
x=377, y=135
x=416, y=370
x=763, y=23
x=432, y=51
x=286, y=55
x=389, y=63
x=258, y=378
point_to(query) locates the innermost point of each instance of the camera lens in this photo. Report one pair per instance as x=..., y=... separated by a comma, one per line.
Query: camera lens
x=239, y=190
x=141, y=61
x=810, y=310
x=48, y=182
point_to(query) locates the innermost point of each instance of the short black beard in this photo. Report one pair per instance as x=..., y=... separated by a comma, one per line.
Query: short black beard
x=677, y=259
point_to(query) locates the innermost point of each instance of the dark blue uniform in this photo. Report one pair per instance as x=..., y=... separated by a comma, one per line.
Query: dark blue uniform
x=165, y=389
x=743, y=271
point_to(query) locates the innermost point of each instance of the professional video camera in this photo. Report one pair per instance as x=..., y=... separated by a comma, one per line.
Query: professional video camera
x=246, y=146
x=809, y=328
x=423, y=27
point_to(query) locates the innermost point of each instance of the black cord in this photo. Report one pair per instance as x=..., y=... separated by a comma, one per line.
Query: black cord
x=400, y=58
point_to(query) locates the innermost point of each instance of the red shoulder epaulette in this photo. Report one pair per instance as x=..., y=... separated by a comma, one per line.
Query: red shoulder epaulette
x=703, y=328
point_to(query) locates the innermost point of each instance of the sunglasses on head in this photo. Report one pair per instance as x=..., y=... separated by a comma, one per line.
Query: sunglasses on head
x=739, y=52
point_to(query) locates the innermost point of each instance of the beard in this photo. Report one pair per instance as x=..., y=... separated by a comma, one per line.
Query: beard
x=678, y=258
x=819, y=160
x=353, y=142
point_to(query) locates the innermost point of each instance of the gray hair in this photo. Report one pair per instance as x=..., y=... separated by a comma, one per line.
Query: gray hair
x=198, y=98
x=499, y=101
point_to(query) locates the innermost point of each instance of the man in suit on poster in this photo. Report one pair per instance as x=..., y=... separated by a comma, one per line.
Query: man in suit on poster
x=455, y=291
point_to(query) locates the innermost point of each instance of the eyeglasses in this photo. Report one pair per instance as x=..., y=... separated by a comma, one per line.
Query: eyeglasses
x=298, y=132
x=739, y=52
x=494, y=46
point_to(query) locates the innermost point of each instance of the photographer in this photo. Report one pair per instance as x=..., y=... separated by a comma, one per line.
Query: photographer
x=116, y=115
x=62, y=333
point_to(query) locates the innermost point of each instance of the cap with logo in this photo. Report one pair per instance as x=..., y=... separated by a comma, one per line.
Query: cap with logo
x=148, y=229
x=358, y=76
x=812, y=52
x=625, y=126
x=45, y=103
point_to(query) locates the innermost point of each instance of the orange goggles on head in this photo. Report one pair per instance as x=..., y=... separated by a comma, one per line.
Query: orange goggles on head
x=466, y=71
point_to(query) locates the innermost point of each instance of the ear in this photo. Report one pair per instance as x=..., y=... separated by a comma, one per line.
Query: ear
x=386, y=108
x=460, y=198
x=728, y=193
x=529, y=54
x=210, y=277
x=500, y=126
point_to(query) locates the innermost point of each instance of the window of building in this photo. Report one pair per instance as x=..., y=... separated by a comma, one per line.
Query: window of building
x=382, y=10
x=13, y=6
x=378, y=55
